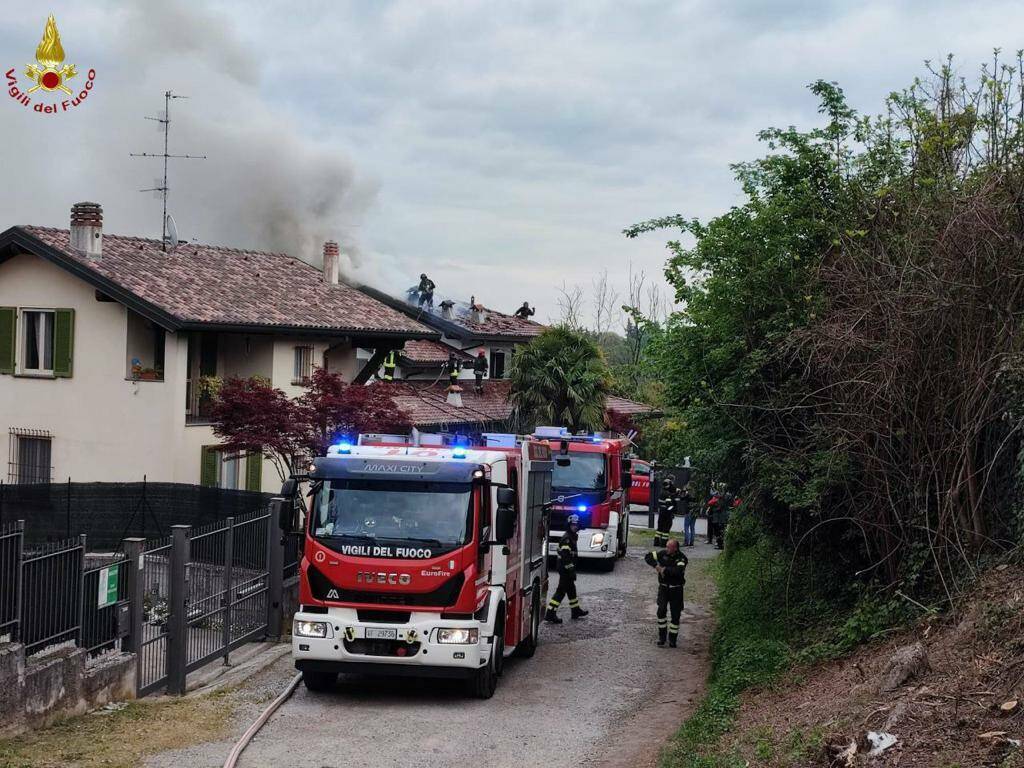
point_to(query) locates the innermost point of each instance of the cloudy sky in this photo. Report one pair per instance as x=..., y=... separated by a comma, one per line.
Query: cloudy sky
x=499, y=146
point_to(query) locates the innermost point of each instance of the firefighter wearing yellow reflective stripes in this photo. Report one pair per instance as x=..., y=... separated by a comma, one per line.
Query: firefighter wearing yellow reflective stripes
x=566, y=574
x=389, y=366
x=670, y=563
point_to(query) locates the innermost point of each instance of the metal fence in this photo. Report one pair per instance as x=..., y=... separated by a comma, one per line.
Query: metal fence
x=178, y=602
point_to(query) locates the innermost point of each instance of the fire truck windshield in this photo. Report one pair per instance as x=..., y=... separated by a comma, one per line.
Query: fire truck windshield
x=584, y=472
x=360, y=510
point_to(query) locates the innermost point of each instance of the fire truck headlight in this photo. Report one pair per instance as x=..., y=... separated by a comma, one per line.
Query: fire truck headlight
x=455, y=636
x=597, y=540
x=311, y=628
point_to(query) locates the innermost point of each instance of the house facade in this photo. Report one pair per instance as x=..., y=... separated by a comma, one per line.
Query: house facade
x=110, y=348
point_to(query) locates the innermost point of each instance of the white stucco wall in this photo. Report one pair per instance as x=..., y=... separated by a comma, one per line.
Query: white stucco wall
x=104, y=427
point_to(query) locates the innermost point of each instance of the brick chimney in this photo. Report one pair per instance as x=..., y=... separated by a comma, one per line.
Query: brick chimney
x=331, y=262
x=87, y=229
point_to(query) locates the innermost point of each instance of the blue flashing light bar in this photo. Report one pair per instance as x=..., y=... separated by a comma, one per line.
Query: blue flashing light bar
x=459, y=452
x=581, y=508
x=343, y=447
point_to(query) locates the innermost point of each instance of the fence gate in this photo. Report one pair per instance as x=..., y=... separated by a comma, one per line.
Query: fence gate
x=205, y=592
x=226, y=594
x=156, y=596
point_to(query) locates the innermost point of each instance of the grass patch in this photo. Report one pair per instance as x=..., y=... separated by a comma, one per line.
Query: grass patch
x=121, y=739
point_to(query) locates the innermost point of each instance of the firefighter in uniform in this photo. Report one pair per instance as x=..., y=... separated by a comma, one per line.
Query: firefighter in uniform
x=670, y=563
x=453, y=369
x=668, y=500
x=566, y=574
x=389, y=366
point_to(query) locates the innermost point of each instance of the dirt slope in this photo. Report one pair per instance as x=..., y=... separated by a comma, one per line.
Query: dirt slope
x=961, y=704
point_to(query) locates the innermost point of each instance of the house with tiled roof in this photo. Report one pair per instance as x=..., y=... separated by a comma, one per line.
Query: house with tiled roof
x=110, y=346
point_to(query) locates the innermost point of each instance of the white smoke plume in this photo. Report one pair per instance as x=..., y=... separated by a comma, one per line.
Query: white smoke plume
x=268, y=183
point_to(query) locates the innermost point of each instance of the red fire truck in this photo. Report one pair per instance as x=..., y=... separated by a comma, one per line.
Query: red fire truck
x=422, y=560
x=591, y=479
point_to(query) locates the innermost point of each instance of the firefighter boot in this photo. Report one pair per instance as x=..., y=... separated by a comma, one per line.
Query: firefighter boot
x=552, y=617
x=661, y=636
x=672, y=640
x=579, y=613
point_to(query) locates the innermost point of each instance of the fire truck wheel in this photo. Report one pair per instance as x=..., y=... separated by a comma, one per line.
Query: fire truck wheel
x=485, y=680
x=607, y=564
x=499, y=642
x=623, y=540
x=319, y=682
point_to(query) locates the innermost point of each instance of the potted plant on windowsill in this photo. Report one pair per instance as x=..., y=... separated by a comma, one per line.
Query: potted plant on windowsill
x=151, y=374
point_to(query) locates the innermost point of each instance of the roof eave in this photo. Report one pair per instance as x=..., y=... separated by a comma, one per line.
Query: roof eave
x=18, y=237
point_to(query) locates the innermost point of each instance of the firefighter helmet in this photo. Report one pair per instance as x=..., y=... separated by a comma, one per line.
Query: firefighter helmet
x=573, y=520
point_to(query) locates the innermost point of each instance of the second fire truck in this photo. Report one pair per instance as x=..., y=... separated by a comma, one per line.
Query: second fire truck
x=591, y=479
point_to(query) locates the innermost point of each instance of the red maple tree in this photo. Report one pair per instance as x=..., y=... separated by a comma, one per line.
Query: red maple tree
x=333, y=410
x=253, y=416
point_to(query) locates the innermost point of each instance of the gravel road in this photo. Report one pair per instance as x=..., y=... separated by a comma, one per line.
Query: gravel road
x=597, y=693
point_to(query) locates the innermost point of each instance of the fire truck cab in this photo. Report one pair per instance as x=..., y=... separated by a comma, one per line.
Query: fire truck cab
x=422, y=560
x=591, y=479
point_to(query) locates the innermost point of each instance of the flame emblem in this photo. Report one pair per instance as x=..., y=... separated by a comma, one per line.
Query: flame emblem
x=48, y=73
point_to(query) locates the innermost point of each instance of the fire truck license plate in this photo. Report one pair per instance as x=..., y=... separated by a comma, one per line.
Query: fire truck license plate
x=381, y=634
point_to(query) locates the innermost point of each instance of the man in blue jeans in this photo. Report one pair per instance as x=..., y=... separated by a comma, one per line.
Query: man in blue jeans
x=689, y=512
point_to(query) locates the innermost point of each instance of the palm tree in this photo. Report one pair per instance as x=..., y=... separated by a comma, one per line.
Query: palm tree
x=560, y=378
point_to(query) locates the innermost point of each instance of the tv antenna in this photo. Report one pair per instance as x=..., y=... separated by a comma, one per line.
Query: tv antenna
x=160, y=185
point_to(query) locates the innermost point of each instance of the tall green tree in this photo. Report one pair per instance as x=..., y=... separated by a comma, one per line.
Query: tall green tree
x=560, y=378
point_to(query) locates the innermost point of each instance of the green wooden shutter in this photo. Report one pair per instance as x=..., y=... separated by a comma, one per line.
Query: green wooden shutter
x=209, y=458
x=254, y=472
x=63, y=342
x=8, y=327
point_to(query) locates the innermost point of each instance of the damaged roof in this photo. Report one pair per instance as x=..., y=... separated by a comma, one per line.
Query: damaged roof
x=194, y=286
x=493, y=326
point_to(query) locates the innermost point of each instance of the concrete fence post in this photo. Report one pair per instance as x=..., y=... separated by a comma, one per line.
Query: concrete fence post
x=229, y=587
x=177, y=641
x=652, y=501
x=275, y=568
x=135, y=589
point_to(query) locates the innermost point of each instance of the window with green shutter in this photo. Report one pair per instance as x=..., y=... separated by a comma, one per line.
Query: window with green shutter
x=209, y=466
x=254, y=472
x=63, y=342
x=8, y=330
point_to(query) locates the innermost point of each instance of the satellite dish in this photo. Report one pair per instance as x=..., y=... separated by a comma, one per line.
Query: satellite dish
x=172, y=231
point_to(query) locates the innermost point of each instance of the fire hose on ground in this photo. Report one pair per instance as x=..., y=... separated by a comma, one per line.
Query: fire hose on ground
x=260, y=721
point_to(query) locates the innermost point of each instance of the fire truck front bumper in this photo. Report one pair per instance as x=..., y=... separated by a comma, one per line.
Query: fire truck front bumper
x=593, y=543
x=425, y=645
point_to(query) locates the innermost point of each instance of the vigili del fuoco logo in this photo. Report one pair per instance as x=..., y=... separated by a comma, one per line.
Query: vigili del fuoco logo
x=50, y=75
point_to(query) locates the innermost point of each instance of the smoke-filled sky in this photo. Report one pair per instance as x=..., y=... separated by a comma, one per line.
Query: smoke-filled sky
x=500, y=147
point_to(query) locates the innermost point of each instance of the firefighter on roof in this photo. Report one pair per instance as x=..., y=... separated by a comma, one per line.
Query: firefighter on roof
x=453, y=369
x=426, y=289
x=389, y=366
x=670, y=563
x=566, y=574
x=479, y=369
x=525, y=312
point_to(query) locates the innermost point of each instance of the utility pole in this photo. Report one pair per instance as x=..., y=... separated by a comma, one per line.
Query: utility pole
x=163, y=189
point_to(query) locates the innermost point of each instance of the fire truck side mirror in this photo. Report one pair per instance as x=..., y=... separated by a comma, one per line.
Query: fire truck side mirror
x=288, y=488
x=627, y=467
x=505, y=519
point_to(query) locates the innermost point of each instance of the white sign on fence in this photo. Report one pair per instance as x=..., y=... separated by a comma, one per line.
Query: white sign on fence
x=107, y=594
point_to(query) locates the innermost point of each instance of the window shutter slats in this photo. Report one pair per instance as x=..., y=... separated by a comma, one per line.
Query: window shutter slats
x=254, y=472
x=63, y=342
x=8, y=316
x=208, y=466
